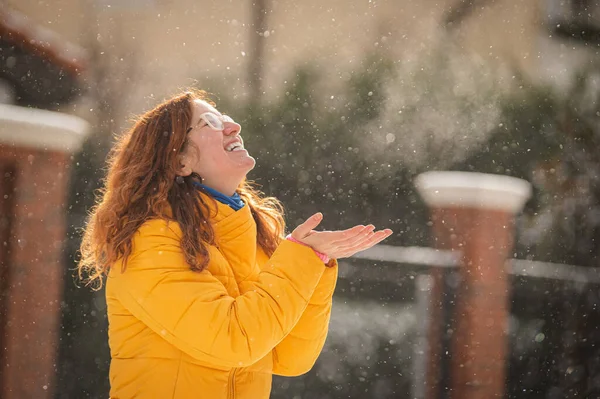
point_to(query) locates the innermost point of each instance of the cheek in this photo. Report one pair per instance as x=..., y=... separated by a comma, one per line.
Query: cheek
x=204, y=148
x=209, y=145
x=209, y=158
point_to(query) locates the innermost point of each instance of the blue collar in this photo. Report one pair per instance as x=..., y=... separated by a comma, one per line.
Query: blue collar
x=234, y=202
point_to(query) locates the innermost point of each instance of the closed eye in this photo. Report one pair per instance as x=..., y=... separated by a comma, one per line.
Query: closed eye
x=200, y=124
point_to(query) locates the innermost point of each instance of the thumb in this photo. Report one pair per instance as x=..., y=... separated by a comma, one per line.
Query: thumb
x=305, y=228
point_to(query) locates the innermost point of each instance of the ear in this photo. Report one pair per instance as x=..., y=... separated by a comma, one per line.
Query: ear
x=185, y=168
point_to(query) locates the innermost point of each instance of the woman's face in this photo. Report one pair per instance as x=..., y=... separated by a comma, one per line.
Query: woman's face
x=218, y=156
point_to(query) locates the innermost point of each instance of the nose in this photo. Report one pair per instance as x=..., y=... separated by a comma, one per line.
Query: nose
x=231, y=128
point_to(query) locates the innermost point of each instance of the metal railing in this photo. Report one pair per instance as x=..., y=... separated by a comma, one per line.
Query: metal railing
x=396, y=262
x=430, y=257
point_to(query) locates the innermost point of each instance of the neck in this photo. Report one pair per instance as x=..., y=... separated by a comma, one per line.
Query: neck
x=222, y=187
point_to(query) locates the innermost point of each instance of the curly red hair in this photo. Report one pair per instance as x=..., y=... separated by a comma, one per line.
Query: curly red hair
x=140, y=185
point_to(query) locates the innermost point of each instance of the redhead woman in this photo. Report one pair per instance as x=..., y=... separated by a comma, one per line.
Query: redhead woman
x=206, y=298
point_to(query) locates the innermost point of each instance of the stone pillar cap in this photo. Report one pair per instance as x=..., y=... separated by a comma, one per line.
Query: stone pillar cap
x=473, y=190
x=40, y=129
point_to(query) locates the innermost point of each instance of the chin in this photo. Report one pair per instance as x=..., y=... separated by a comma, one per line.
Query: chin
x=250, y=163
x=246, y=166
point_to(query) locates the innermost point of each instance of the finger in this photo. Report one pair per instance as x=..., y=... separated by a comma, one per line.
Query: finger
x=330, y=240
x=366, y=234
x=373, y=239
x=341, y=237
x=388, y=232
x=305, y=228
x=331, y=237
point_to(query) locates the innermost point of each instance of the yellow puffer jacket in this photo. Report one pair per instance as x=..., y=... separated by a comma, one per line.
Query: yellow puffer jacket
x=220, y=333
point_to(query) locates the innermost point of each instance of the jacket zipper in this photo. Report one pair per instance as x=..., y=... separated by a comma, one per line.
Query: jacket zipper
x=232, y=384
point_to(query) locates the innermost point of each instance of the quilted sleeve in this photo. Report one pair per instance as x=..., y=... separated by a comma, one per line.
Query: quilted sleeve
x=299, y=350
x=193, y=311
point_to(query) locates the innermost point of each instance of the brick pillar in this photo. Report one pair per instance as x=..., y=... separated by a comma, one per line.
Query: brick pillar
x=474, y=213
x=35, y=157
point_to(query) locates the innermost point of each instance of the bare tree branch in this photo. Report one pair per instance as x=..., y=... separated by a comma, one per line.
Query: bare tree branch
x=461, y=11
x=257, y=46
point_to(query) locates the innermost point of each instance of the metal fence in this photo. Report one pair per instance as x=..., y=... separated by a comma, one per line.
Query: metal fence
x=535, y=286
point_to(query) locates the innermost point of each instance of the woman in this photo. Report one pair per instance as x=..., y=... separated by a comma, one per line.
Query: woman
x=205, y=298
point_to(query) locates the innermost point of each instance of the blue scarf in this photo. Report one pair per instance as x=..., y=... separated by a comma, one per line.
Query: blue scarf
x=234, y=202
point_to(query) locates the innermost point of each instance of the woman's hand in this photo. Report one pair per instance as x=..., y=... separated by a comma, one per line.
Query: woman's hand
x=340, y=243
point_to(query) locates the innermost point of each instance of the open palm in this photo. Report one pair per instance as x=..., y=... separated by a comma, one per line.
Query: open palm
x=339, y=243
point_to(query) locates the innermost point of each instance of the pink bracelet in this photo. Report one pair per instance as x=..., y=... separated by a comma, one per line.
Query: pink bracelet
x=321, y=256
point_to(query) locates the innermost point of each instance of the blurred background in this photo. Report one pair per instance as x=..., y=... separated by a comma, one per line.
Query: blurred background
x=343, y=104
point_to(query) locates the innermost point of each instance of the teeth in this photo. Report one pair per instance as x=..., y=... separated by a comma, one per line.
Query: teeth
x=234, y=147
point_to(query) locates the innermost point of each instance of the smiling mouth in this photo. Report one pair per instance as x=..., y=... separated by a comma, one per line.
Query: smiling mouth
x=237, y=146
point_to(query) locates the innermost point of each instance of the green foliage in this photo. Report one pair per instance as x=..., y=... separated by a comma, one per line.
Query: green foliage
x=549, y=139
x=83, y=352
x=310, y=153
